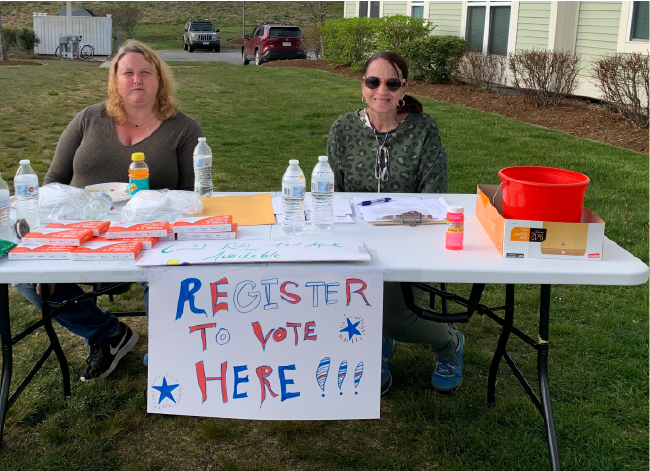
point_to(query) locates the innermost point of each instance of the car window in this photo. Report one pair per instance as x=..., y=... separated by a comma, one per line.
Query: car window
x=201, y=27
x=284, y=32
x=258, y=31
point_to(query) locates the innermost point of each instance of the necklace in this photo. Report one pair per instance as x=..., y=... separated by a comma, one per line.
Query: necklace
x=138, y=125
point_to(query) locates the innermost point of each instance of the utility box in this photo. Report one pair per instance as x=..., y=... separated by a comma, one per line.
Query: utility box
x=69, y=46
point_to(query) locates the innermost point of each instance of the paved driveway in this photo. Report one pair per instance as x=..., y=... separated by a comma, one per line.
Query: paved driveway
x=226, y=55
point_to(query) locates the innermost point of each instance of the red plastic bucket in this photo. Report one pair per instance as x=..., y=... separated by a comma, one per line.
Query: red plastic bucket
x=543, y=194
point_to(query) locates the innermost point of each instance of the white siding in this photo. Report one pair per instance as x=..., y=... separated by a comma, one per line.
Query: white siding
x=533, y=25
x=597, y=34
x=396, y=8
x=96, y=31
x=350, y=10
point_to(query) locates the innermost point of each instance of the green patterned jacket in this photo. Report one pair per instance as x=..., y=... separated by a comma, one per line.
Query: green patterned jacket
x=418, y=161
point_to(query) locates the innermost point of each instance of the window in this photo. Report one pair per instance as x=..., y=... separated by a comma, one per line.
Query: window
x=417, y=9
x=374, y=9
x=488, y=27
x=639, y=26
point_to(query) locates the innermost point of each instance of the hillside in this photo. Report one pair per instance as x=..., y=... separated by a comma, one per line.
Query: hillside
x=162, y=22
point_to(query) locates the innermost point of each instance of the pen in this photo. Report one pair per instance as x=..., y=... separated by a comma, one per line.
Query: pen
x=378, y=200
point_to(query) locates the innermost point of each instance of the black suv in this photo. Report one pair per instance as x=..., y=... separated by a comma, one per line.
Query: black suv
x=200, y=34
x=273, y=41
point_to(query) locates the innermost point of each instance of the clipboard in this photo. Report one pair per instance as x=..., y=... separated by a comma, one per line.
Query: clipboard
x=246, y=210
x=410, y=218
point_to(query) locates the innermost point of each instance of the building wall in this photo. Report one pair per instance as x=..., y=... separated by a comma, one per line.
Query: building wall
x=395, y=8
x=350, y=10
x=597, y=34
x=533, y=25
x=446, y=16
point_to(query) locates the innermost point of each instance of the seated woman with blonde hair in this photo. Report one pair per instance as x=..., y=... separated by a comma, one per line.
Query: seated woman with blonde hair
x=140, y=115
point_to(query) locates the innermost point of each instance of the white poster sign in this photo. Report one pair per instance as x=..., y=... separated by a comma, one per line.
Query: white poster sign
x=193, y=252
x=271, y=343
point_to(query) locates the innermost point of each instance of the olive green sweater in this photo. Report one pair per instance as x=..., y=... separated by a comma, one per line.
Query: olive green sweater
x=89, y=152
x=417, y=163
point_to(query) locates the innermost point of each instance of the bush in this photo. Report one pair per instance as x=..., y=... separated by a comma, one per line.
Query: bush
x=544, y=77
x=434, y=58
x=11, y=37
x=27, y=39
x=623, y=79
x=481, y=72
x=348, y=41
x=395, y=32
x=312, y=41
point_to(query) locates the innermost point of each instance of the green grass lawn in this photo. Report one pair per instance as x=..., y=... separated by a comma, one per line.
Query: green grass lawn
x=256, y=119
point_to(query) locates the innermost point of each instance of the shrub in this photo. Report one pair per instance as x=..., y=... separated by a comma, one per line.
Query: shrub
x=126, y=17
x=623, y=79
x=349, y=41
x=312, y=41
x=395, y=32
x=544, y=77
x=481, y=72
x=434, y=58
x=11, y=37
x=26, y=40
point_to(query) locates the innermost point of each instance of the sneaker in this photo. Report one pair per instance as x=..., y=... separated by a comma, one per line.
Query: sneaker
x=104, y=356
x=446, y=378
x=386, y=378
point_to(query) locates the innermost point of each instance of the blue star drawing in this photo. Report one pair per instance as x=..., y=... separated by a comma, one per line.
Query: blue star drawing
x=166, y=390
x=351, y=329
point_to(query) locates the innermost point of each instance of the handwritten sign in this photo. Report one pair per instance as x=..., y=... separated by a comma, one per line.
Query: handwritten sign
x=281, y=343
x=247, y=251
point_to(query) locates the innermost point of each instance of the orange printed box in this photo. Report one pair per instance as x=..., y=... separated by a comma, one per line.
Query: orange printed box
x=43, y=252
x=96, y=242
x=98, y=227
x=519, y=238
x=116, y=251
x=127, y=230
x=208, y=235
x=65, y=237
x=203, y=224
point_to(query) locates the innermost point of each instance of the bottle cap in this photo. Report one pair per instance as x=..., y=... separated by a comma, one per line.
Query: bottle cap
x=201, y=139
x=322, y=158
x=294, y=162
x=137, y=156
x=24, y=162
x=456, y=209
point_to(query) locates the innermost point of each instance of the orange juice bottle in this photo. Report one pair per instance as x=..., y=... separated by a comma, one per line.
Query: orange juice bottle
x=138, y=174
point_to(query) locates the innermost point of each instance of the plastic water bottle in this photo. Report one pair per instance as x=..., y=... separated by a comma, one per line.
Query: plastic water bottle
x=138, y=174
x=322, y=195
x=5, y=224
x=203, y=168
x=293, y=200
x=26, y=183
x=98, y=207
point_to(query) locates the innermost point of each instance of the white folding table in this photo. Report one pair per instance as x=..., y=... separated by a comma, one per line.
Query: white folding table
x=404, y=254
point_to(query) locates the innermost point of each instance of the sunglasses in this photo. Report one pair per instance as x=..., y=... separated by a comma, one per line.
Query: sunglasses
x=393, y=84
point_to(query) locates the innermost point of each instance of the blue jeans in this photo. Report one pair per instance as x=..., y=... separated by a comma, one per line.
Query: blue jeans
x=85, y=319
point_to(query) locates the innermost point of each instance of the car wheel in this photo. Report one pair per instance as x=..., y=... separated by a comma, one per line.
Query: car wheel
x=184, y=46
x=244, y=59
x=258, y=58
x=217, y=49
x=191, y=48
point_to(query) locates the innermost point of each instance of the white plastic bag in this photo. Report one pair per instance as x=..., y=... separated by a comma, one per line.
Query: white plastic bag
x=162, y=205
x=59, y=201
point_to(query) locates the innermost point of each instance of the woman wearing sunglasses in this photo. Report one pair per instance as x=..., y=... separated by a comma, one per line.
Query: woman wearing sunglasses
x=392, y=146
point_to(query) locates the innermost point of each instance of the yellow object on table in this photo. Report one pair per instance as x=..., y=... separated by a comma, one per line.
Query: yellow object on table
x=246, y=210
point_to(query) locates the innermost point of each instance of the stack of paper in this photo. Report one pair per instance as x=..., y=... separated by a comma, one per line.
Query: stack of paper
x=342, y=209
x=434, y=209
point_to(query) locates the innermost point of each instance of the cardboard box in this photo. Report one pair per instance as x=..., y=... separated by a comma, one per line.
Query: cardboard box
x=43, y=252
x=208, y=235
x=203, y=224
x=98, y=227
x=58, y=237
x=96, y=242
x=127, y=230
x=518, y=238
x=116, y=251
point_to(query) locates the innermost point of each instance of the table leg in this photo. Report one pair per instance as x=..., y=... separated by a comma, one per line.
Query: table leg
x=542, y=374
x=54, y=340
x=509, y=314
x=7, y=355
